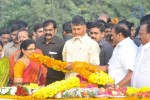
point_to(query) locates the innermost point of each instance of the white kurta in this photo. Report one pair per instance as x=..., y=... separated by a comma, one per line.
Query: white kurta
x=83, y=49
x=122, y=60
x=142, y=67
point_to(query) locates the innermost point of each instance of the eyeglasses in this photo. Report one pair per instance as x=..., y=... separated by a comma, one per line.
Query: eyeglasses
x=32, y=49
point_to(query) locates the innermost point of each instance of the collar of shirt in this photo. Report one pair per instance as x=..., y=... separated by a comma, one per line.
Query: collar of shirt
x=11, y=44
x=146, y=46
x=82, y=39
x=123, y=42
x=53, y=40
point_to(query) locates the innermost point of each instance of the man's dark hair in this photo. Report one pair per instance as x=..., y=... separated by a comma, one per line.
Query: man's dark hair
x=37, y=26
x=78, y=20
x=48, y=22
x=109, y=20
x=145, y=19
x=107, y=25
x=15, y=27
x=98, y=25
x=21, y=23
x=127, y=23
x=102, y=22
x=132, y=25
x=88, y=25
x=123, y=29
x=148, y=26
x=67, y=27
x=4, y=31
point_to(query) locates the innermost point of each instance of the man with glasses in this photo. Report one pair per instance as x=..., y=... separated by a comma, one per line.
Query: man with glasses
x=22, y=35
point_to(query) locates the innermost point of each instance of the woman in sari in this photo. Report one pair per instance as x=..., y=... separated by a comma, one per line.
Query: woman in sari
x=27, y=71
x=4, y=67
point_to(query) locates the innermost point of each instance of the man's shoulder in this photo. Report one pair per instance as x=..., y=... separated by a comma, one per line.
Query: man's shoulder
x=8, y=45
x=58, y=39
x=70, y=41
x=39, y=40
x=106, y=44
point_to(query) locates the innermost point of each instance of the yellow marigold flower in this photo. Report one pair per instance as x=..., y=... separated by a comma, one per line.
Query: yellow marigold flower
x=56, y=87
x=100, y=78
x=145, y=89
x=132, y=91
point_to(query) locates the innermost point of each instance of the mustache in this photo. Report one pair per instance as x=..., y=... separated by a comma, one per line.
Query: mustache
x=48, y=34
x=93, y=38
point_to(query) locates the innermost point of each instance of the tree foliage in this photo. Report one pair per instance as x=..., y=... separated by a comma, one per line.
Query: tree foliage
x=35, y=11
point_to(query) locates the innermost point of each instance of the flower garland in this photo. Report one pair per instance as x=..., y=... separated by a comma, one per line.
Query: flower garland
x=139, y=92
x=92, y=73
x=56, y=87
x=49, y=62
x=88, y=71
x=31, y=98
x=100, y=78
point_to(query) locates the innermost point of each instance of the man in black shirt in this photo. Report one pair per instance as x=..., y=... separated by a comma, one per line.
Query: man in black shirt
x=97, y=34
x=51, y=46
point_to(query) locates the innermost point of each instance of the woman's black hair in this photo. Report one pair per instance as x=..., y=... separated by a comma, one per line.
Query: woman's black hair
x=24, y=45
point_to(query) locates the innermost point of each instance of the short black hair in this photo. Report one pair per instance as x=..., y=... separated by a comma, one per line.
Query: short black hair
x=4, y=31
x=122, y=28
x=132, y=25
x=15, y=27
x=107, y=25
x=37, y=26
x=98, y=25
x=102, y=22
x=148, y=26
x=21, y=23
x=48, y=22
x=78, y=20
x=145, y=19
x=88, y=25
x=67, y=27
x=128, y=24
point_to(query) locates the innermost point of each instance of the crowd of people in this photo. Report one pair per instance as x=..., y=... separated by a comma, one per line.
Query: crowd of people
x=116, y=47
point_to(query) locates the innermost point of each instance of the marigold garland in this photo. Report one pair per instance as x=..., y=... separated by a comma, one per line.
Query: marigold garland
x=100, y=78
x=132, y=91
x=31, y=98
x=56, y=87
x=88, y=71
x=49, y=62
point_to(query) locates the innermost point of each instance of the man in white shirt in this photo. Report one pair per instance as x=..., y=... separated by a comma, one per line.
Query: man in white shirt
x=122, y=61
x=142, y=64
x=81, y=47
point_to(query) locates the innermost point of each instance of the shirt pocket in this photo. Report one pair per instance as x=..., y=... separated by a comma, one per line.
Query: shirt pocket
x=145, y=67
